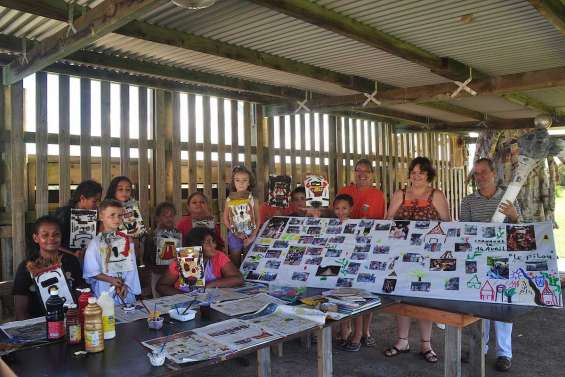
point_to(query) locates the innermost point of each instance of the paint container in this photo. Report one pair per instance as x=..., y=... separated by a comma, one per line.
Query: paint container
x=177, y=314
x=155, y=323
x=205, y=310
x=156, y=358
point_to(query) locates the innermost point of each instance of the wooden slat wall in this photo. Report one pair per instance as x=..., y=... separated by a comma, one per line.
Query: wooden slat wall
x=143, y=164
x=191, y=143
x=105, y=132
x=64, y=140
x=293, y=170
x=41, y=190
x=247, y=130
x=207, y=147
x=176, y=194
x=234, y=135
x=85, y=128
x=124, y=129
x=222, y=155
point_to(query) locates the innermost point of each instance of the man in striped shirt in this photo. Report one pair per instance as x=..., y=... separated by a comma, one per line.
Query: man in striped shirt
x=479, y=207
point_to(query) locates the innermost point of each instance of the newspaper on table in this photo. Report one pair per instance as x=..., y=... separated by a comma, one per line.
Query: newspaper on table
x=246, y=305
x=238, y=334
x=162, y=304
x=285, y=319
x=29, y=330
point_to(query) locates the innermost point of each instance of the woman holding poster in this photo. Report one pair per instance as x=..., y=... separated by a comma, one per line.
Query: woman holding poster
x=417, y=202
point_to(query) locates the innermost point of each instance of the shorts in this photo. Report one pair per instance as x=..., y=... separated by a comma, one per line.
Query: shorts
x=235, y=244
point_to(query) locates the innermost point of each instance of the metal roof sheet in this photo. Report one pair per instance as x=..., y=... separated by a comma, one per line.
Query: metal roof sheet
x=554, y=97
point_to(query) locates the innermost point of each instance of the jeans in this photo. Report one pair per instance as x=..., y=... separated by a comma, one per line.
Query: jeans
x=503, y=332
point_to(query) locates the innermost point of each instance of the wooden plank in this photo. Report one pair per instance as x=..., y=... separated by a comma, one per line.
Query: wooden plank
x=553, y=11
x=222, y=156
x=17, y=171
x=264, y=362
x=41, y=188
x=293, y=153
x=271, y=145
x=124, y=129
x=435, y=315
x=64, y=142
x=143, y=163
x=85, y=129
x=234, y=134
x=332, y=161
x=105, y=133
x=160, y=146
x=261, y=154
x=191, y=143
x=347, y=154
x=302, y=148
x=207, y=125
x=97, y=22
x=282, y=148
x=247, y=131
x=477, y=348
x=175, y=152
x=340, y=174
x=324, y=352
x=452, y=352
x=321, y=133
x=313, y=168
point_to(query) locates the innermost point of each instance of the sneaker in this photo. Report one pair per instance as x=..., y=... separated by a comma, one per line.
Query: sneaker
x=503, y=364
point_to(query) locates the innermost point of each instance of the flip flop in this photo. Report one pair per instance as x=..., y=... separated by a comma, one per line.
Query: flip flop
x=350, y=347
x=430, y=356
x=393, y=351
x=369, y=341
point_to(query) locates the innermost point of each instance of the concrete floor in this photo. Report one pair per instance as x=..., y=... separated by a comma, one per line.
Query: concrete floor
x=538, y=348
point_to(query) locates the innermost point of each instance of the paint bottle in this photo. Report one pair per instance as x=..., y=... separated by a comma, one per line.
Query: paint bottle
x=93, y=332
x=82, y=302
x=55, y=315
x=74, y=329
x=108, y=321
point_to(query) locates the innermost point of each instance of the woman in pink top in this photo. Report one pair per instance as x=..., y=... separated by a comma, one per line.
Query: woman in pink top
x=219, y=271
x=199, y=216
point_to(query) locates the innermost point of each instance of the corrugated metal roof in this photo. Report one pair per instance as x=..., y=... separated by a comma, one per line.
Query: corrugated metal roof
x=179, y=57
x=412, y=108
x=496, y=106
x=25, y=25
x=248, y=25
x=554, y=97
x=504, y=37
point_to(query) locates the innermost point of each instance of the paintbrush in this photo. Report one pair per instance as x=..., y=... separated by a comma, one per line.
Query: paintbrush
x=145, y=306
x=188, y=307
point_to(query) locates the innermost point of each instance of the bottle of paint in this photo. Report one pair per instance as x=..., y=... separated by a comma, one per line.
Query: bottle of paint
x=74, y=329
x=82, y=302
x=93, y=333
x=108, y=321
x=55, y=315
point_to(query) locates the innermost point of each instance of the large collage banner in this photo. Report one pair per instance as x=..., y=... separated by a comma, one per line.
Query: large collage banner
x=485, y=262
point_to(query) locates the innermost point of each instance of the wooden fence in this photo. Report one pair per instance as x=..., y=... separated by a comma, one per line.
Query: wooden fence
x=181, y=145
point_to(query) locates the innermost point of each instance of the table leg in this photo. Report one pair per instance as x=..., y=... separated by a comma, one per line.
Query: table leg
x=477, y=348
x=324, y=347
x=278, y=349
x=306, y=341
x=264, y=362
x=452, y=352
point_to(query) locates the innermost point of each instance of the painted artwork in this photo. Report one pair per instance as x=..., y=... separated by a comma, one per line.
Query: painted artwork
x=83, y=227
x=241, y=213
x=116, y=254
x=53, y=277
x=133, y=224
x=279, y=191
x=166, y=242
x=191, y=268
x=317, y=191
x=485, y=262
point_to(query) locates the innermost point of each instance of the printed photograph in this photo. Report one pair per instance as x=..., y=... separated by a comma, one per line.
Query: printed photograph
x=349, y=228
x=336, y=239
x=364, y=223
x=314, y=251
x=470, y=267
x=520, y=237
x=363, y=239
x=344, y=282
x=313, y=221
x=319, y=241
x=260, y=249
x=300, y=276
x=249, y=266
x=412, y=257
x=365, y=278
x=453, y=232
x=362, y=249
x=446, y=264
x=358, y=256
x=334, y=222
x=399, y=230
x=433, y=244
x=422, y=224
x=333, y=230
x=273, y=264
x=420, y=286
x=377, y=265
x=352, y=268
x=536, y=265
x=382, y=226
x=462, y=247
x=316, y=261
x=379, y=249
x=470, y=230
x=330, y=270
x=306, y=239
x=333, y=253
x=280, y=244
x=416, y=239
x=389, y=285
x=293, y=229
x=452, y=284
x=498, y=268
x=274, y=227
x=296, y=221
x=488, y=232
x=294, y=256
x=267, y=276
x=273, y=254
x=314, y=230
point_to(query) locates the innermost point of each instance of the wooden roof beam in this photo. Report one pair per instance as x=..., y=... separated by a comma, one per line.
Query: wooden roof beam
x=103, y=19
x=529, y=102
x=553, y=11
x=335, y=22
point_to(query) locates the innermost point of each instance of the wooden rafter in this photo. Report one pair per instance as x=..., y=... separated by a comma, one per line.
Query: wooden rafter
x=338, y=23
x=553, y=11
x=527, y=101
x=103, y=19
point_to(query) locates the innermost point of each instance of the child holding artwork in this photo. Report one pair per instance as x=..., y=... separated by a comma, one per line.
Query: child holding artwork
x=240, y=213
x=43, y=266
x=199, y=216
x=110, y=257
x=121, y=189
x=351, y=339
x=295, y=208
x=75, y=237
x=219, y=271
x=161, y=244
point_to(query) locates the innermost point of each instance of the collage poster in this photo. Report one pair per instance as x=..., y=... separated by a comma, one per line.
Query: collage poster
x=484, y=262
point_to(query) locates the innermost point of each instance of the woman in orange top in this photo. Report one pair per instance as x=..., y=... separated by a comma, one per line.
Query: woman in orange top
x=417, y=202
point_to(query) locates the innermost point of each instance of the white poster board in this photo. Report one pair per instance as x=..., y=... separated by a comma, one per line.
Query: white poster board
x=485, y=262
x=83, y=227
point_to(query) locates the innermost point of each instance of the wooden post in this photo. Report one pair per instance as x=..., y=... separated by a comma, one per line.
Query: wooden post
x=105, y=133
x=314, y=169
x=282, y=154
x=159, y=183
x=192, y=166
x=264, y=362
x=271, y=145
x=175, y=153
x=293, y=173
x=221, y=156
x=124, y=129
x=347, y=156
x=64, y=142
x=332, y=164
x=324, y=348
x=85, y=129
x=142, y=164
x=17, y=171
x=262, y=163
x=322, y=131
x=207, y=125
x=247, y=131
x=477, y=348
x=41, y=188
x=338, y=148
x=452, y=352
x=234, y=134
x=302, y=148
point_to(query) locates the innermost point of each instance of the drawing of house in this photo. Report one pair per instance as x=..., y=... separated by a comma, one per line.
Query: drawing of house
x=474, y=282
x=437, y=230
x=487, y=292
x=547, y=295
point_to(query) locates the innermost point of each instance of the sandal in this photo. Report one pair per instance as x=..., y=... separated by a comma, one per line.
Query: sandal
x=350, y=347
x=394, y=351
x=368, y=341
x=430, y=356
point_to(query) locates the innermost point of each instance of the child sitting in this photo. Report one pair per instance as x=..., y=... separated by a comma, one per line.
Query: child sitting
x=219, y=271
x=160, y=244
x=47, y=236
x=110, y=257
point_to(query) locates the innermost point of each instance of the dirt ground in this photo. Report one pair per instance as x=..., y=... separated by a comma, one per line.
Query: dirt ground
x=538, y=350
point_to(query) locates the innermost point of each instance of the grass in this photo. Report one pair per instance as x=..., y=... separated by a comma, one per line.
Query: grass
x=560, y=219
